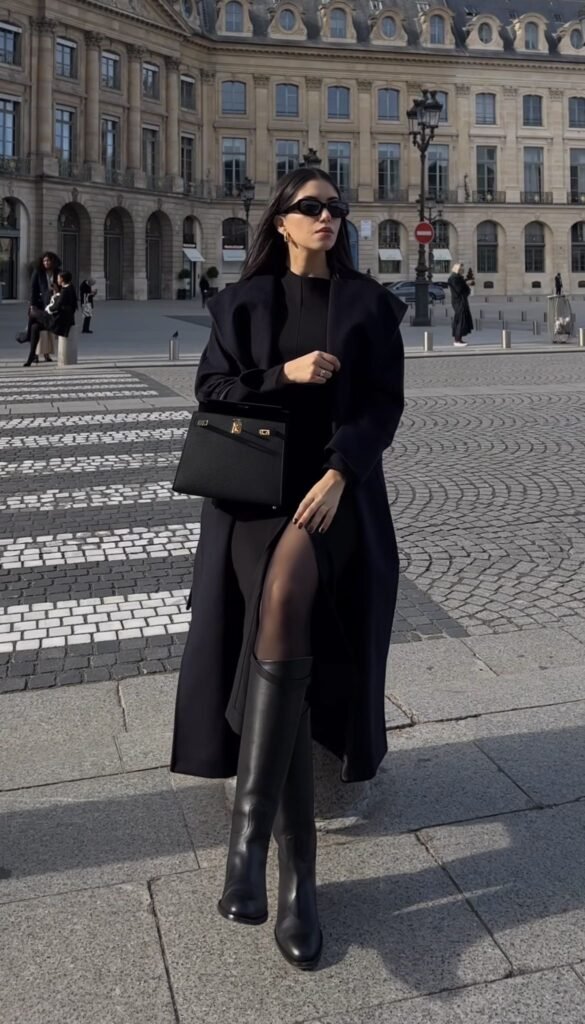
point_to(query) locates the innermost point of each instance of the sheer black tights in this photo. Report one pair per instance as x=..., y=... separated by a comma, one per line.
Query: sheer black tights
x=288, y=595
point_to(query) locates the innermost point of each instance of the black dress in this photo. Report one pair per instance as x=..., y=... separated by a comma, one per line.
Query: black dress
x=256, y=531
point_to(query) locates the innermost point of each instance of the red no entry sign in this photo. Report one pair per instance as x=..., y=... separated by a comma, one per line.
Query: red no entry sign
x=424, y=232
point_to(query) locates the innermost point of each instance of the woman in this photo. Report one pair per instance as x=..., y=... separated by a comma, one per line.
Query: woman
x=204, y=289
x=42, y=287
x=292, y=608
x=87, y=293
x=462, y=323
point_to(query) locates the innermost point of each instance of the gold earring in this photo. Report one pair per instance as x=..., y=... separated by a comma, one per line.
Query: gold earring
x=285, y=235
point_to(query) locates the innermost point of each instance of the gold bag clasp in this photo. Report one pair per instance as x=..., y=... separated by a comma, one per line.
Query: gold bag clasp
x=202, y=423
x=236, y=427
x=264, y=432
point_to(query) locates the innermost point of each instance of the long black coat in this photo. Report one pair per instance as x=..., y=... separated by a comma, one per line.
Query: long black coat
x=64, y=306
x=241, y=364
x=462, y=323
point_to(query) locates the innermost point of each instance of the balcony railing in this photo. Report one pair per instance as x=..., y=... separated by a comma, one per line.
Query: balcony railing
x=114, y=176
x=391, y=195
x=69, y=169
x=534, y=198
x=489, y=197
x=157, y=183
x=198, y=189
x=441, y=196
x=18, y=165
x=576, y=198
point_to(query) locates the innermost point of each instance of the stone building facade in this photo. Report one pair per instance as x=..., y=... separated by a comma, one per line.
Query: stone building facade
x=128, y=126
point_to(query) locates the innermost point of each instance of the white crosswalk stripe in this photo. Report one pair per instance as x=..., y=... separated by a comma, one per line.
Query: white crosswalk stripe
x=95, y=438
x=90, y=464
x=94, y=419
x=92, y=497
x=121, y=545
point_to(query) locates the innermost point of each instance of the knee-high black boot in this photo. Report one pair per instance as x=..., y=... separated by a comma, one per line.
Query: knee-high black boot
x=274, y=704
x=298, y=932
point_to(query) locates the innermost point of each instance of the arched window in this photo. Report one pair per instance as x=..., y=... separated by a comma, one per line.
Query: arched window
x=577, y=39
x=578, y=248
x=388, y=104
x=577, y=112
x=443, y=99
x=532, y=111
x=487, y=247
x=485, y=108
x=531, y=36
x=233, y=98
x=437, y=30
x=389, y=254
x=534, y=248
x=233, y=231
x=234, y=17
x=440, y=248
x=338, y=23
x=287, y=100
x=485, y=33
x=338, y=101
x=388, y=27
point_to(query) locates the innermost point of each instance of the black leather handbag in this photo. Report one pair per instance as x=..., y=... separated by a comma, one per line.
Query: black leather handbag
x=234, y=452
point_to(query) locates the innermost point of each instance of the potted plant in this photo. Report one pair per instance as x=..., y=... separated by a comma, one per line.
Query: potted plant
x=212, y=275
x=184, y=275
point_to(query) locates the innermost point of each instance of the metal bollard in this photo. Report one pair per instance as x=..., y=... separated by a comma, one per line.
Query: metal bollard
x=536, y=326
x=174, y=347
x=500, y=314
x=523, y=316
x=582, y=337
x=428, y=341
x=506, y=339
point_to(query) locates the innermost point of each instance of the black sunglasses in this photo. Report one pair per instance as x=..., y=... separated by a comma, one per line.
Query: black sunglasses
x=310, y=206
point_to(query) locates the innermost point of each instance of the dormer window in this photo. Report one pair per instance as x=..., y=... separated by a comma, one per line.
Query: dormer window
x=388, y=27
x=531, y=36
x=287, y=20
x=485, y=33
x=577, y=39
x=338, y=23
x=234, y=17
x=437, y=30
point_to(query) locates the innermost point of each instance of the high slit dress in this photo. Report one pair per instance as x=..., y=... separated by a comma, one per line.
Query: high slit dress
x=257, y=530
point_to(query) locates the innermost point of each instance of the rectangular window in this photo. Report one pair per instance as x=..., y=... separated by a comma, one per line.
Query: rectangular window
x=443, y=99
x=534, y=170
x=487, y=158
x=577, y=112
x=187, y=93
x=150, y=152
x=532, y=111
x=234, y=165
x=287, y=156
x=110, y=71
x=578, y=175
x=338, y=101
x=287, y=100
x=65, y=59
x=339, y=158
x=388, y=170
x=9, y=129
x=10, y=45
x=150, y=82
x=65, y=135
x=388, y=105
x=110, y=143
x=485, y=108
x=438, y=171
x=233, y=97
x=187, y=158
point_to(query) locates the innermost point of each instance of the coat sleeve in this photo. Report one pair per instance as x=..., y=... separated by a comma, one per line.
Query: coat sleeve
x=221, y=375
x=358, y=444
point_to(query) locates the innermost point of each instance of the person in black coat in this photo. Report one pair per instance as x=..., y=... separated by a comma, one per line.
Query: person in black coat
x=462, y=323
x=42, y=287
x=204, y=289
x=87, y=293
x=292, y=607
x=558, y=283
x=64, y=306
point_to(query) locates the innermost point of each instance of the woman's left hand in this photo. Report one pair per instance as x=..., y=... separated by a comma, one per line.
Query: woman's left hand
x=317, y=510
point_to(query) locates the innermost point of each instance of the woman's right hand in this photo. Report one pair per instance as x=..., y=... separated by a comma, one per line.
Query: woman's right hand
x=314, y=368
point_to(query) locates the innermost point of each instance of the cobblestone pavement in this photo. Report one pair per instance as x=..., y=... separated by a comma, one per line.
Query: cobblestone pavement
x=96, y=550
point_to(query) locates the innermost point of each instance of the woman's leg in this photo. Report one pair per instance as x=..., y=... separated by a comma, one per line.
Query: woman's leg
x=279, y=677
x=35, y=333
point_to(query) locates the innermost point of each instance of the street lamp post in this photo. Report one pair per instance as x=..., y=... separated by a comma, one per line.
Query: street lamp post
x=423, y=120
x=246, y=192
x=311, y=158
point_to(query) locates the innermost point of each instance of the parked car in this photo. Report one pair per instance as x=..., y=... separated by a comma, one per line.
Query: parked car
x=405, y=290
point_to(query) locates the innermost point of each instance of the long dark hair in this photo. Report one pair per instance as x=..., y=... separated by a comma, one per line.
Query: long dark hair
x=268, y=252
x=53, y=256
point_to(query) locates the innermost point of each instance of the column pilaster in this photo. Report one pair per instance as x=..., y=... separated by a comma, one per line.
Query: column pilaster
x=175, y=182
x=262, y=169
x=208, y=139
x=463, y=155
x=93, y=45
x=134, y=153
x=314, y=86
x=365, y=186
x=46, y=161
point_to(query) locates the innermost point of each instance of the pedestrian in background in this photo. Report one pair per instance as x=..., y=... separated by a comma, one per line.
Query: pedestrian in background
x=462, y=323
x=42, y=287
x=558, y=284
x=87, y=293
x=204, y=289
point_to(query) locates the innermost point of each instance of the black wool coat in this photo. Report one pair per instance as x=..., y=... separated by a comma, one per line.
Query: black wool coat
x=462, y=323
x=65, y=306
x=241, y=363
